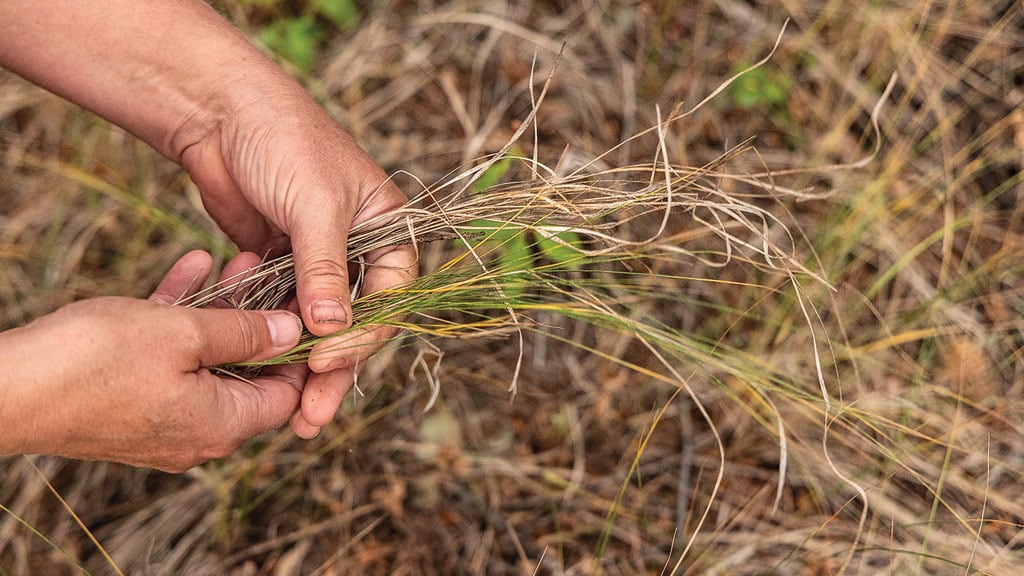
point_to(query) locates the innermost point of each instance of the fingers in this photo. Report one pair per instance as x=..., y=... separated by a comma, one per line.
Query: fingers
x=390, y=267
x=256, y=405
x=321, y=398
x=319, y=247
x=231, y=336
x=348, y=350
x=239, y=265
x=332, y=362
x=323, y=395
x=236, y=270
x=184, y=279
x=188, y=275
x=260, y=404
x=301, y=428
x=319, y=230
x=295, y=374
x=386, y=268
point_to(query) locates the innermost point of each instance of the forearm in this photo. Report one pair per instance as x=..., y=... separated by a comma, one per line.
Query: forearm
x=166, y=70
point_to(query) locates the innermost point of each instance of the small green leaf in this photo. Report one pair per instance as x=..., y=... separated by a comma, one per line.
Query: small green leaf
x=492, y=175
x=515, y=253
x=515, y=256
x=559, y=252
x=343, y=13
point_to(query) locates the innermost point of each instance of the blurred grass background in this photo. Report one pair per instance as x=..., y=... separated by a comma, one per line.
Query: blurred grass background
x=592, y=468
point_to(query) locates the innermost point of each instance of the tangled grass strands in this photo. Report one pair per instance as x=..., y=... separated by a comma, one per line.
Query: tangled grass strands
x=593, y=206
x=463, y=302
x=590, y=205
x=479, y=292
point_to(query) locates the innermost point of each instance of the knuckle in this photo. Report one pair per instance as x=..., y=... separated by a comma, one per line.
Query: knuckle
x=192, y=334
x=252, y=334
x=324, y=268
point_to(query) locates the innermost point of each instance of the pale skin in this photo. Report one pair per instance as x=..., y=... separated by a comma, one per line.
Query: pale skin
x=275, y=172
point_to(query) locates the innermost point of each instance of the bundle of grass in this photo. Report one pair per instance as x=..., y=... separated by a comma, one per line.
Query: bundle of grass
x=578, y=245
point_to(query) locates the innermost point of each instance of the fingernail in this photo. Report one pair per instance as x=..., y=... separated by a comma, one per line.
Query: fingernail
x=329, y=312
x=285, y=328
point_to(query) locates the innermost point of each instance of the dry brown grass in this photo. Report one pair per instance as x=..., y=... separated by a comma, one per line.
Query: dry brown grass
x=916, y=467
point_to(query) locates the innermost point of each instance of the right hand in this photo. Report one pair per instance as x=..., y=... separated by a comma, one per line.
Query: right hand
x=279, y=173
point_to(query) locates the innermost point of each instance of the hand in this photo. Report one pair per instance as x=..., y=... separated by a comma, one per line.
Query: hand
x=280, y=172
x=129, y=381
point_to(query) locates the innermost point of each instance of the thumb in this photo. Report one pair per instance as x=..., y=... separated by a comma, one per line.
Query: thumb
x=226, y=336
x=321, y=268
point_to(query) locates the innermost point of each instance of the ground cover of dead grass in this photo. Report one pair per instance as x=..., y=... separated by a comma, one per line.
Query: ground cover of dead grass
x=913, y=467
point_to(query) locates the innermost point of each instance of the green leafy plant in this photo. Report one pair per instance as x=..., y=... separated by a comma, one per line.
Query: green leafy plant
x=761, y=88
x=297, y=37
x=520, y=247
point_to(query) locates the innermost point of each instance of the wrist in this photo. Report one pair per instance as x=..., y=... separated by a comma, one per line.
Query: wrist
x=14, y=409
x=226, y=100
x=38, y=382
x=183, y=71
